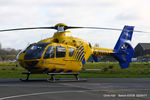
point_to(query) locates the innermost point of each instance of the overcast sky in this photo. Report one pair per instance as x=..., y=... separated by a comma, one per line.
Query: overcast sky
x=102, y=13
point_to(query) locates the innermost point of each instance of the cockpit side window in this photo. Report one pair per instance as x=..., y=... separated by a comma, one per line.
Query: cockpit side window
x=71, y=51
x=60, y=51
x=50, y=53
x=35, y=51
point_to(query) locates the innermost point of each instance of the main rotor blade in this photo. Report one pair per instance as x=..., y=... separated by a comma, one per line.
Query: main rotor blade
x=141, y=31
x=68, y=27
x=15, y=29
x=74, y=27
x=103, y=28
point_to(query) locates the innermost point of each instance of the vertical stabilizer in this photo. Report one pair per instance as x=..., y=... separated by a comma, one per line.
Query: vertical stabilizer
x=123, y=50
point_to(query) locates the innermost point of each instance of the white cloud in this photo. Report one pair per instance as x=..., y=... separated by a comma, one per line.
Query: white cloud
x=103, y=13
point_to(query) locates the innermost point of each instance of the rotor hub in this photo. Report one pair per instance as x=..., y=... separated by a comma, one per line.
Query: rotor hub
x=60, y=27
x=60, y=24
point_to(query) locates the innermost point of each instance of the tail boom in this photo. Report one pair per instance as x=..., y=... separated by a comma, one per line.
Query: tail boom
x=102, y=51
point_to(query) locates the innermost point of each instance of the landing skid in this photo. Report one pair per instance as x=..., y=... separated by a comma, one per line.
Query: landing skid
x=53, y=79
x=28, y=74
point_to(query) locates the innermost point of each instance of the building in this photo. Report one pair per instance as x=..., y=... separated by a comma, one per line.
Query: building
x=142, y=49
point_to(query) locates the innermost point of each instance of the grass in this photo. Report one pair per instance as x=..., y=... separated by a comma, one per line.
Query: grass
x=105, y=70
x=109, y=70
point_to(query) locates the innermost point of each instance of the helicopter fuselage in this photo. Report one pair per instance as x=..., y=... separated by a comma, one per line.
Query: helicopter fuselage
x=61, y=53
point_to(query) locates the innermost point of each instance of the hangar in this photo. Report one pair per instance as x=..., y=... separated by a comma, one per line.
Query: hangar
x=142, y=49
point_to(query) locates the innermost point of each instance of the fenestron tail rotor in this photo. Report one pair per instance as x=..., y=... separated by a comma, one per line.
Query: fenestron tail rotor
x=62, y=27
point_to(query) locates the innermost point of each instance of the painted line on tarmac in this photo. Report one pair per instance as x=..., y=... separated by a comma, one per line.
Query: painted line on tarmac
x=31, y=86
x=42, y=93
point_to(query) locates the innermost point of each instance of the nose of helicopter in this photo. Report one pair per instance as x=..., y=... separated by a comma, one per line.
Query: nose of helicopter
x=31, y=63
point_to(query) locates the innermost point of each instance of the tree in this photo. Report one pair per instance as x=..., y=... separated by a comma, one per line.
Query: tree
x=0, y=46
x=7, y=53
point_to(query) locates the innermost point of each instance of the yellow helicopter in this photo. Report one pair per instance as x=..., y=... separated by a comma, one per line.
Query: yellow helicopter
x=65, y=54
